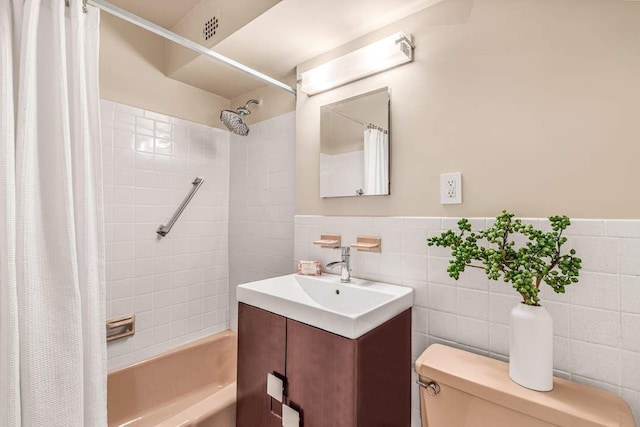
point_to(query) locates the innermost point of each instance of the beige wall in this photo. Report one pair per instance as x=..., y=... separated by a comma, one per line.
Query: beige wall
x=536, y=102
x=231, y=14
x=273, y=101
x=131, y=64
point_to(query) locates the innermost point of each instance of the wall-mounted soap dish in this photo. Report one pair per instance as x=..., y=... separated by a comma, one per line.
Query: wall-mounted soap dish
x=329, y=241
x=121, y=328
x=367, y=244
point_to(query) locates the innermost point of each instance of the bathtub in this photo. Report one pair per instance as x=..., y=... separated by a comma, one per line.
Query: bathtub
x=194, y=385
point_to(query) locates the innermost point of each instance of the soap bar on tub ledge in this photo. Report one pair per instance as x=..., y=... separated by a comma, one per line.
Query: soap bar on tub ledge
x=310, y=268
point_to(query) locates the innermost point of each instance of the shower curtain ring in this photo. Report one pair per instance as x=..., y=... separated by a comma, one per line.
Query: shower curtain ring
x=84, y=6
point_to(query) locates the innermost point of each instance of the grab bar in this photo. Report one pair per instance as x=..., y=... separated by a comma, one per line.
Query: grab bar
x=163, y=230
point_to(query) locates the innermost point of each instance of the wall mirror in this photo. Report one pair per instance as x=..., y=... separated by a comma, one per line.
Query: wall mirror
x=354, y=146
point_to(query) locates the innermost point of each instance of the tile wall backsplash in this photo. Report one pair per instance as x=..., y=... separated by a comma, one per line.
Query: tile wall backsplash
x=596, y=323
x=262, y=203
x=177, y=286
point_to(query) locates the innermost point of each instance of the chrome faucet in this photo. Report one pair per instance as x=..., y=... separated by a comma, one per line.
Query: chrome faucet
x=345, y=276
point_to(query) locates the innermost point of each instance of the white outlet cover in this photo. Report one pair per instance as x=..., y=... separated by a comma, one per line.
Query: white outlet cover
x=451, y=188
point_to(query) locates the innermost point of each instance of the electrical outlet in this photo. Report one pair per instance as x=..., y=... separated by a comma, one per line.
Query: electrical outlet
x=451, y=188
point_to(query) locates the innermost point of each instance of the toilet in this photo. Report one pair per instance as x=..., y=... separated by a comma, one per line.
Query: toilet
x=462, y=389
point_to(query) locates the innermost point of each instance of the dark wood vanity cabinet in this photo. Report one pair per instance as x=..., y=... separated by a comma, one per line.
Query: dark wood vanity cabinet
x=333, y=381
x=262, y=342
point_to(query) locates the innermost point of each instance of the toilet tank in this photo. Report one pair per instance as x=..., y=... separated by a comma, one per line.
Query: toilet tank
x=475, y=391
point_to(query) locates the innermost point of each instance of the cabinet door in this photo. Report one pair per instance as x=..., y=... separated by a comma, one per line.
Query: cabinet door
x=262, y=340
x=384, y=374
x=321, y=376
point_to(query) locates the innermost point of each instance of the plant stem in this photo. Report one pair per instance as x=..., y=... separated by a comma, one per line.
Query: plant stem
x=553, y=265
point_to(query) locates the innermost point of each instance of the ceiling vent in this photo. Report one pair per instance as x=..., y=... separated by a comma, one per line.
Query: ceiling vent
x=210, y=28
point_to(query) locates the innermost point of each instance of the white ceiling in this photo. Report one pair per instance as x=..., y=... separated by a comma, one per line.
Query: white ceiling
x=294, y=31
x=291, y=32
x=165, y=13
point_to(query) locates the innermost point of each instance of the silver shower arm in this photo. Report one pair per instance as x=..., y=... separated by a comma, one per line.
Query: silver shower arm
x=251, y=101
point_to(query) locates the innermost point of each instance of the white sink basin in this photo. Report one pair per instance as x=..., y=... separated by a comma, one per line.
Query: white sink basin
x=347, y=309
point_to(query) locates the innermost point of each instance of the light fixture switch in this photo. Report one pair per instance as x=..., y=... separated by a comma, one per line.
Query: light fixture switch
x=275, y=387
x=451, y=188
x=290, y=417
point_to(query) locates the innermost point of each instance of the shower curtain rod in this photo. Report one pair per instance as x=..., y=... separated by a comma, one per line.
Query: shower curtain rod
x=345, y=115
x=182, y=41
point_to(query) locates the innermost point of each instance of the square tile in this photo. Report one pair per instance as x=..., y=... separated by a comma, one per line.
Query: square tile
x=594, y=361
x=630, y=364
x=599, y=255
x=562, y=354
x=414, y=267
x=629, y=256
x=438, y=271
x=419, y=315
x=442, y=297
x=561, y=314
x=501, y=306
x=631, y=332
x=595, y=325
x=442, y=325
x=473, y=303
x=630, y=294
x=499, y=339
x=622, y=228
x=596, y=290
x=414, y=241
x=472, y=332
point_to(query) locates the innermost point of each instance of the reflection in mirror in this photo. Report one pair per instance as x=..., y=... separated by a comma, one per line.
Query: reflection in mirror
x=354, y=146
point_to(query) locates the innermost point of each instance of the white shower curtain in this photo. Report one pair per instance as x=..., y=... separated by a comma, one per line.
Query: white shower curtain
x=52, y=311
x=376, y=161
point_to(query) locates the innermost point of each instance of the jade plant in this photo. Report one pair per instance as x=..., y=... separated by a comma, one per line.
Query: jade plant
x=539, y=259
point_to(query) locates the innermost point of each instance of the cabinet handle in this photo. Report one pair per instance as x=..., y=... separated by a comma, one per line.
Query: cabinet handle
x=275, y=387
x=290, y=417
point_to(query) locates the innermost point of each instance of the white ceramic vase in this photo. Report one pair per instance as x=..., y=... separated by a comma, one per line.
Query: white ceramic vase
x=531, y=347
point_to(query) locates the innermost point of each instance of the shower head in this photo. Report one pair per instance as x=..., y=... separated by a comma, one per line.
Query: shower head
x=234, y=120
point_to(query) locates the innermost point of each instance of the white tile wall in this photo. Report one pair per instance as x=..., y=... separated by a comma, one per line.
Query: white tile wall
x=262, y=203
x=341, y=173
x=177, y=286
x=596, y=323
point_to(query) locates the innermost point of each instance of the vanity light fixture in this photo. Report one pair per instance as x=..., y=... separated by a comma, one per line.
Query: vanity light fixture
x=389, y=52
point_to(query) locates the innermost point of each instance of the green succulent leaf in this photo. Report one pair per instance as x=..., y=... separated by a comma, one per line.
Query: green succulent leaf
x=515, y=252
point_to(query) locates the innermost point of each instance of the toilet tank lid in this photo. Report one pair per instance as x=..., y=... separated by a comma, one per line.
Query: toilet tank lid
x=569, y=403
